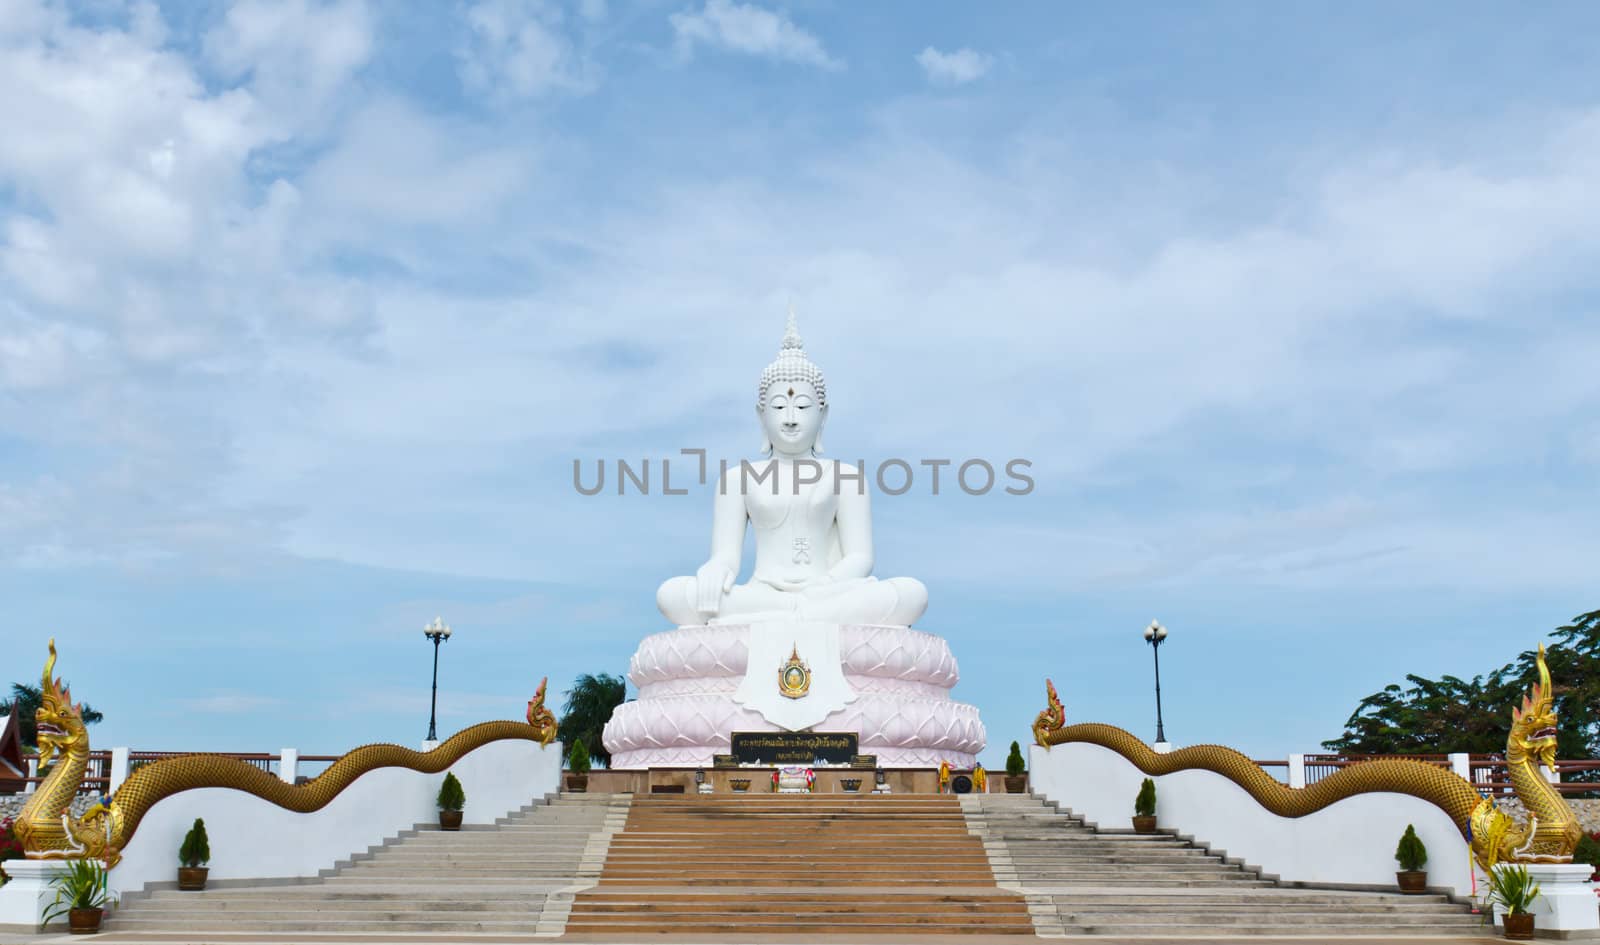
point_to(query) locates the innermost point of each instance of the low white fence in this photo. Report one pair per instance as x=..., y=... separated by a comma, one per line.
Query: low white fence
x=253, y=839
x=1349, y=843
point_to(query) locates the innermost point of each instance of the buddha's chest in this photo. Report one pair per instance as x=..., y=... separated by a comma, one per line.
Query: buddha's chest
x=781, y=503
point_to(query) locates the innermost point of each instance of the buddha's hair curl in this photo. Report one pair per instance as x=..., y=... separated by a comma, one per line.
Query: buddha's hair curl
x=791, y=366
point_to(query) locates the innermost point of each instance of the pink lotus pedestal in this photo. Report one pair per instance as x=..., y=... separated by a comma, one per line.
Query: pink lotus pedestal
x=687, y=707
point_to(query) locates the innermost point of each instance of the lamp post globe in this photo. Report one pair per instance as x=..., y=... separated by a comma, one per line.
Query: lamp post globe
x=438, y=632
x=1154, y=635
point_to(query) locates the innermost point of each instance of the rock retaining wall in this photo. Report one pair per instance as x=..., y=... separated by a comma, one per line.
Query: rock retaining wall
x=11, y=804
x=1587, y=809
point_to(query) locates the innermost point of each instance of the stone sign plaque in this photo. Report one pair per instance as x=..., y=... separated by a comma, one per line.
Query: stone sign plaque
x=794, y=748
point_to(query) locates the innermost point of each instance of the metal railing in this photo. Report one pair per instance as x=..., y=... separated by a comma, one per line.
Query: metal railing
x=1576, y=777
x=318, y=763
x=1271, y=767
x=96, y=775
x=1320, y=766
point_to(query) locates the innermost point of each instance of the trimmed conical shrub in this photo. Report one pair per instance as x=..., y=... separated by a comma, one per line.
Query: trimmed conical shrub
x=1015, y=765
x=1145, y=804
x=1411, y=854
x=196, y=848
x=578, y=761
x=451, y=797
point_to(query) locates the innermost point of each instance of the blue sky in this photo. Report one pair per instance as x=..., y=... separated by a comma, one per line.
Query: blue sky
x=307, y=308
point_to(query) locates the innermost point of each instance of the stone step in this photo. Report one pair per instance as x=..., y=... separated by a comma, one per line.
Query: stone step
x=740, y=931
x=1274, y=929
x=284, y=924
x=1275, y=897
x=1270, y=917
x=371, y=912
x=497, y=899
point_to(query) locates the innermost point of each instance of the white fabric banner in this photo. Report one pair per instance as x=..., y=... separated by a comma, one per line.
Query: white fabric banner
x=817, y=643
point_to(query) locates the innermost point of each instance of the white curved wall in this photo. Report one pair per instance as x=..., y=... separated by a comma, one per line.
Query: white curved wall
x=253, y=839
x=1351, y=842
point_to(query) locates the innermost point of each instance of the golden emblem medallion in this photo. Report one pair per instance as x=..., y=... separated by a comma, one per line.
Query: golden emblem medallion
x=794, y=676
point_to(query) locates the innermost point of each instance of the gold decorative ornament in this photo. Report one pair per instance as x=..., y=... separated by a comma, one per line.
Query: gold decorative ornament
x=794, y=676
x=1554, y=830
x=47, y=830
x=540, y=717
x=1051, y=719
x=1493, y=835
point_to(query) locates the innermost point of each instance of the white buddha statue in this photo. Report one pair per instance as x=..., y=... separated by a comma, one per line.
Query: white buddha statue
x=813, y=531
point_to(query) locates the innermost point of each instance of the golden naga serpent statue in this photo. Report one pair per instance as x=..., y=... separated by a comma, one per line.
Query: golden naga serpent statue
x=47, y=829
x=1550, y=837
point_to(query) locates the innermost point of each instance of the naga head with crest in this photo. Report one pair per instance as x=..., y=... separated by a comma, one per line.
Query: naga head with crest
x=1533, y=726
x=59, y=722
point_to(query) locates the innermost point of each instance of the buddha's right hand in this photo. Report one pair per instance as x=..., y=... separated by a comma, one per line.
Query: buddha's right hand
x=711, y=582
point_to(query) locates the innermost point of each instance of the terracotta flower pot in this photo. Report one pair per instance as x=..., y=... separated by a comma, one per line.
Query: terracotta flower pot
x=578, y=783
x=1412, y=881
x=84, y=921
x=1016, y=783
x=192, y=878
x=1518, y=925
x=1143, y=824
x=449, y=820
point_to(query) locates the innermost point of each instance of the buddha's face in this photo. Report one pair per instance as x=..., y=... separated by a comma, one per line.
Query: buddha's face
x=792, y=418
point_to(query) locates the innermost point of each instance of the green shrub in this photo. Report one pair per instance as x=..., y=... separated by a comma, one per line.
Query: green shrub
x=1511, y=888
x=1411, y=854
x=578, y=761
x=1588, y=850
x=1015, y=766
x=451, y=797
x=82, y=886
x=1145, y=804
x=196, y=849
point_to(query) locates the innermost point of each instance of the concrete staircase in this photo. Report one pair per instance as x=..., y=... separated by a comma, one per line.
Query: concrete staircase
x=1078, y=880
x=515, y=878
x=765, y=864
x=626, y=868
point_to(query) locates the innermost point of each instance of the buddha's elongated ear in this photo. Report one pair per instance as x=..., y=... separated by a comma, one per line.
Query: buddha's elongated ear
x=816, y=445
x=766, y=441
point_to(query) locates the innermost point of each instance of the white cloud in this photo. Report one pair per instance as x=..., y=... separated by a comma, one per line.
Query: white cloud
x=751, y=30
x=395, y=164
x=192, y=377
x=296, y=53
x=516, y=49
x=955, y=68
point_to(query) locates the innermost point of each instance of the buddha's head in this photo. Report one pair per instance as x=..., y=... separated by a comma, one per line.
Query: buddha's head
x=792, y=401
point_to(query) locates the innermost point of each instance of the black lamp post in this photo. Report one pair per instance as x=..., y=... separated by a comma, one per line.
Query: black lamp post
x=1153, y=635
x=438, y=632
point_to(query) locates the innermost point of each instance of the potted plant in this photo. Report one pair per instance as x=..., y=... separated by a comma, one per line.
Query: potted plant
x=1513, y=891
x=1144, y=808
x=578, y=765
x=451, y=800
x=193, y=856
x=81, y=895
x=1016, y=771
x=1412, y=856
